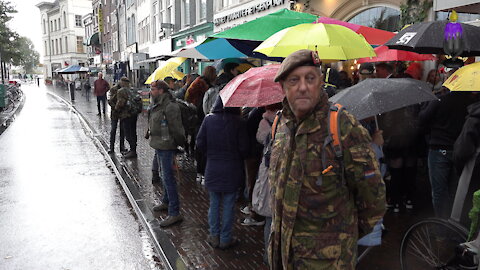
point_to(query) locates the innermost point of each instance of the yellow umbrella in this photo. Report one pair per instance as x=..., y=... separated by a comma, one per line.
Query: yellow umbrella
x=331, y=41
x=168, y=68
x=466, y=78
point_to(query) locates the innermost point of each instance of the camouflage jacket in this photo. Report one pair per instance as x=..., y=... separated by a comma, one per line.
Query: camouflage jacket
x=121, y=106
x=112, y=101
x=317, y=218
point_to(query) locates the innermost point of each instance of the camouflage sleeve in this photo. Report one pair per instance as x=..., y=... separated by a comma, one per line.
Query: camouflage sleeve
x=362, y=173
x=122, y=98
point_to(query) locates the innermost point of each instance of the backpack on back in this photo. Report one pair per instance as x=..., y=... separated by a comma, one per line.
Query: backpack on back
x=134, y=103
x=189, y=115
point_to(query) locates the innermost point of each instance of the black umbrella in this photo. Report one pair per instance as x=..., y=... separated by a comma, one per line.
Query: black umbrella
x=428, y=38
x=376, y=96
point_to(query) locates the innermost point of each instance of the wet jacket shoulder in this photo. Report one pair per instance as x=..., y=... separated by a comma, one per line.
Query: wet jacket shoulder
x=223, y=139
x=469, y=139
x=166, y=109
x=112, y=101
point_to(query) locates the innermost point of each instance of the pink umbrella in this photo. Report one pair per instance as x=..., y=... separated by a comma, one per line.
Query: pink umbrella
x=384, y=54
x=254, y=88
x=372, y=35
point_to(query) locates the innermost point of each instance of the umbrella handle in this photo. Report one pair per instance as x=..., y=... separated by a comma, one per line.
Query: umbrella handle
x=376, y=122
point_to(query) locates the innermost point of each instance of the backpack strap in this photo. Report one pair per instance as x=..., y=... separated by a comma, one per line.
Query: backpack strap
x=334, y=128
x=275, y=124
x=333, y=138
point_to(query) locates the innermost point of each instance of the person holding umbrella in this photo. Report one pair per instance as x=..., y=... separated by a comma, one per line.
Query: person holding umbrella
x=322, y=202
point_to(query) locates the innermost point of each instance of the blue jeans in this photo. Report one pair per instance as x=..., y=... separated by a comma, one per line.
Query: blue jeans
x=225, y=229
x=170, y=194
x=443, y=179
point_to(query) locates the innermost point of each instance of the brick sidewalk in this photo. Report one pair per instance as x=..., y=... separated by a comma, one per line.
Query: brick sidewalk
x=190, y=236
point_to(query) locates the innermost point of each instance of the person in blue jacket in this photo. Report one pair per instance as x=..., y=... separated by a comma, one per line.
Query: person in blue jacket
x=223, y=140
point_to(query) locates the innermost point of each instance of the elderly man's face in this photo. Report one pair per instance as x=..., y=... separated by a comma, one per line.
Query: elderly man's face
x=303, y=88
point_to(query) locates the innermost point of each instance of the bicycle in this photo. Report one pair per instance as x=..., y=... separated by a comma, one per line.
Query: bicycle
x=437, y=243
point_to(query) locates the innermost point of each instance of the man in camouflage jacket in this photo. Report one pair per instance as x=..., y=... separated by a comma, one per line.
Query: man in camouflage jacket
x=114, y=120
x=128, y=121
x=318, y=215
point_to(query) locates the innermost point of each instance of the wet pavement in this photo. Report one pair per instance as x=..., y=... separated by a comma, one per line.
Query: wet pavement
x=189, y=238
x=60, y=205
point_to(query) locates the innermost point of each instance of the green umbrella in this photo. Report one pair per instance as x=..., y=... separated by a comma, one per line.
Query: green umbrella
x=267, y=25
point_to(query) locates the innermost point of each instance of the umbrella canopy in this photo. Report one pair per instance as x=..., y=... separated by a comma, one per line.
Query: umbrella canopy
x=331, y=41
x=73, y=69
x=384, y=54
x=428, y=37
x=254, y=88
x=167, y=68
x=373, y=36
x=376, y=96
x=189, y=51
x=466, y=78
x=263, y=27
x=243, y=64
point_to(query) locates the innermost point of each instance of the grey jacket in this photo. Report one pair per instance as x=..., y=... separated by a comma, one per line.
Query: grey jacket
x=165, y=108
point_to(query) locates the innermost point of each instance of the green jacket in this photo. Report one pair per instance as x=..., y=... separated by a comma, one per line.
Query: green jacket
x=121, y=106
x=317, y=218
x=165, y=109
x=112, y=101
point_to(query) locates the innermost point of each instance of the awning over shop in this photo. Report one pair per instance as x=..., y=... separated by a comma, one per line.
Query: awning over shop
x=93, y=40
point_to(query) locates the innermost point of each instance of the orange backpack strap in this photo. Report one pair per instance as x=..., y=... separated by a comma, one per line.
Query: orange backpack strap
x=334, y=128
x=275, y=124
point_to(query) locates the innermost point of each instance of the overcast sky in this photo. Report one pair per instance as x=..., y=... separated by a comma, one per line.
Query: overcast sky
x=27, y=21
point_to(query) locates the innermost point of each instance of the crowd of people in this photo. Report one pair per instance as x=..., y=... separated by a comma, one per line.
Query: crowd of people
x=308, y=196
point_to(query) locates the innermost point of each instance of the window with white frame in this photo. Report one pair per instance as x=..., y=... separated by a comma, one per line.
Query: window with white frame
x=56, y=46
x=64, y=19
x=185, y=13
x=66, y=44
x=52, y=47
x=80, y=44
x=154, y=22
x=60, y=43
x=45, y=43
x=201, y=12
x=44, y=28
x=78, y=20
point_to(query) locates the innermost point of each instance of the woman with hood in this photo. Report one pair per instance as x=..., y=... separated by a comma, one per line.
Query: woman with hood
x=223, y=139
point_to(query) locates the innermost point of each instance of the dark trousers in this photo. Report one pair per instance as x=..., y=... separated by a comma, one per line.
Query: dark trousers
x=130, y=129
x=113, y=134
x=103, y=99
x=443, y=179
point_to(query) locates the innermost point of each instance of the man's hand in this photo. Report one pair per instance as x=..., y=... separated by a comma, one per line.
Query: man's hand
x=377, y=138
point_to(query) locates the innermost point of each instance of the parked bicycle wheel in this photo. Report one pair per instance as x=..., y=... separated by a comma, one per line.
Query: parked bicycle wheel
x=430, y=244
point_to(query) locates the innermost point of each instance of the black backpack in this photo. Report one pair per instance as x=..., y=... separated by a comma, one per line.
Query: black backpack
x=135, y=103
x=189, y=115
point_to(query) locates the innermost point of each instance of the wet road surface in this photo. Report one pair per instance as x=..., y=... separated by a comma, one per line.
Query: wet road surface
x=60, y=205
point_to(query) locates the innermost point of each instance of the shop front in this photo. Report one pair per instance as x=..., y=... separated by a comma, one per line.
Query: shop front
x=190, y=36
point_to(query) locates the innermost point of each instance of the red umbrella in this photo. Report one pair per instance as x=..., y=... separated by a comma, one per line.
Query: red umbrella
x=372, y=35
x=254, y=88
x=384, y=54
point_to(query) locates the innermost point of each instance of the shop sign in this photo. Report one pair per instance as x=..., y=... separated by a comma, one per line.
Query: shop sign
x=249, y=11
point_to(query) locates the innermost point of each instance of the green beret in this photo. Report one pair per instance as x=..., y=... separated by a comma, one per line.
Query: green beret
x=297, y=59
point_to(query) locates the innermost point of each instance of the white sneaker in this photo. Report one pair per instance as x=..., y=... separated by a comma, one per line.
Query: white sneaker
x=252, y=222
x=246, y=210
x=199, y=177
x=202, y=181
x=409, y=205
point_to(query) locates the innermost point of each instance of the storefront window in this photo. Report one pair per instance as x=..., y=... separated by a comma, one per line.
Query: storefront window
x=378, y=17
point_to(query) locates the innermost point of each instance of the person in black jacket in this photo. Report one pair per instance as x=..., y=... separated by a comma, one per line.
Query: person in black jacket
x=444, y=119
x=465, y=149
